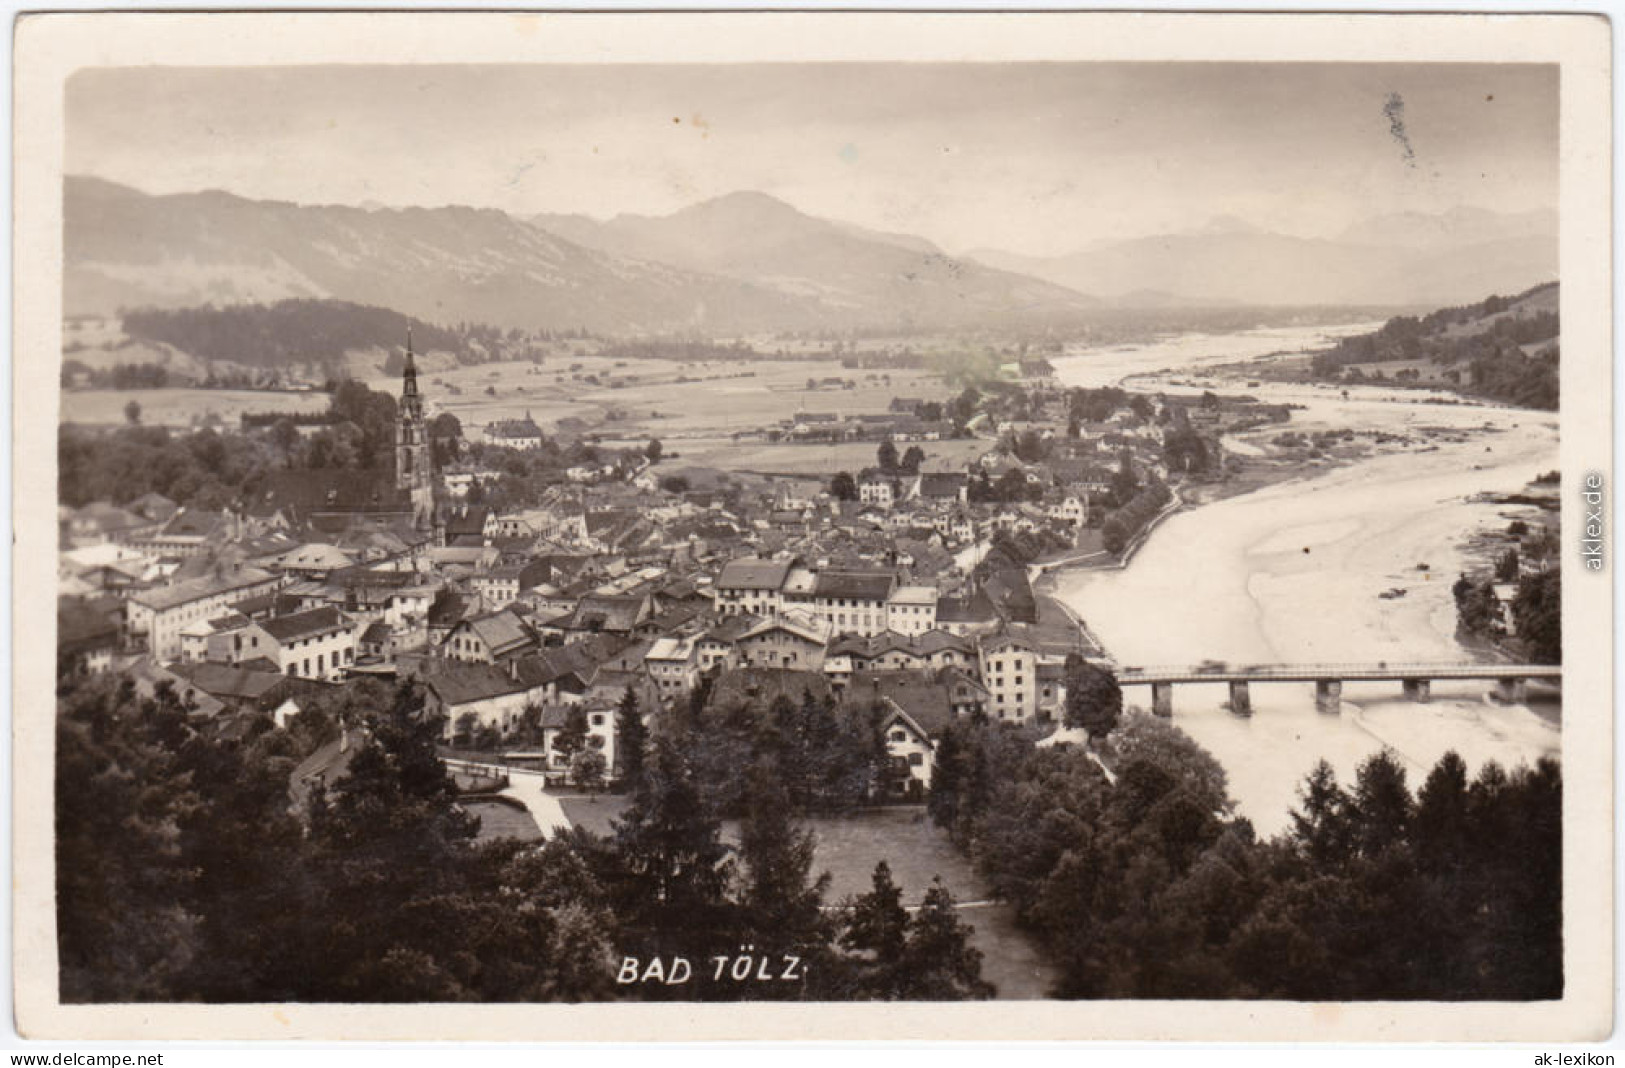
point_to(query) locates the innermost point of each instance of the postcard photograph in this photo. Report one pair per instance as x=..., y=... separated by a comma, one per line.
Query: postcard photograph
x=608, y=526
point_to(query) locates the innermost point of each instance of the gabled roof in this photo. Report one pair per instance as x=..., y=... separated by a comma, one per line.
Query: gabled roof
x=806, y=634
x=458, y=683
x=750, y=573
x=165, y=597
x=729, y=630
x=762, y=686
x=228, y=682
x=501, y=632
x=618, y=615
x=927, y=703
x=856, y=585
x=193, y=523
x=317, y=556
x=305, y=624
x=671, y=649
x=301, y=494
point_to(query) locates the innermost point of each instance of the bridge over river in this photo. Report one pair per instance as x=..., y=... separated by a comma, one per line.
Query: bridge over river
x=1511, y=679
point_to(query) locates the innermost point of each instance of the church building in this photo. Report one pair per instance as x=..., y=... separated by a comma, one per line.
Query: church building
x=413, y=461
x=337, y=502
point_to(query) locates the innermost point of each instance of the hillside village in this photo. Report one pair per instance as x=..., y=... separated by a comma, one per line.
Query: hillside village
x=900, y=584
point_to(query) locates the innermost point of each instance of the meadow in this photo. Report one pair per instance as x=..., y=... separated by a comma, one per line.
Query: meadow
x=183, y=408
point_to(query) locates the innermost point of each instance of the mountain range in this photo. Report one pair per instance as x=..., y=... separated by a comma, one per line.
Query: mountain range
x=741, y=263
x=737, y=264
x=1397, y=259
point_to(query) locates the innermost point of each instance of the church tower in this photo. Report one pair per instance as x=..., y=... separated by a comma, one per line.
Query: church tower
x=413, y=461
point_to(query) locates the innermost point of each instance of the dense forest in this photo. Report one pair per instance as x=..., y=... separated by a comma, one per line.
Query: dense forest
x=317, y=333
x=1483, y=350
x=185, y=873
x=1148, y=886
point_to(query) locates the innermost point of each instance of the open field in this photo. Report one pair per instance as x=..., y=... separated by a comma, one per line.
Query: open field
x=182, y=407
x=719, y=396
x=849, y=847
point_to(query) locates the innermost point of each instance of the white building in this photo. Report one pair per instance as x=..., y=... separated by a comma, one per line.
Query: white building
x=1009, y=668
x=752, y=587
x=912, y=609
x=318, y=644
x=161, y=614
x=673, y=664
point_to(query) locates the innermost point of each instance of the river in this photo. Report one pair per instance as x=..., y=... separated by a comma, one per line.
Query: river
x=1293, y=573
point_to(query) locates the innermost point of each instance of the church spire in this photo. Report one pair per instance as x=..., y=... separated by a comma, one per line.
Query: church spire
x=409, y=376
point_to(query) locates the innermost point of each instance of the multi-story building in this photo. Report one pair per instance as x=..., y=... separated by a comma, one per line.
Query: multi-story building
x=846, y=602
x=1009, y=667
x=752, y=586
x=779, y=643
x=673, y=665
x=318, y=644
x=159, y=615
x=912, y=609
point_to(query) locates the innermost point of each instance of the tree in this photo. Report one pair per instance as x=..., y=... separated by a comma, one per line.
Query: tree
x=572, y=739
x=446, y=438
x=1323, y=825
x=285, y=436
x=1381, y=804
x=1094, y=700
x=587, y=768
x=631, y=737
x=123, y=931
x=780, y=899
x=964, y=406
x=653, y=450
x=877, y=932
x=1506, y=566
x=939, y=960
x=132, y=413
x=671, y=871
x=1124, y=484
x=912, y=459
x=843, y=487
x=1538, y=611
x=1113, y=535
x=886, y=455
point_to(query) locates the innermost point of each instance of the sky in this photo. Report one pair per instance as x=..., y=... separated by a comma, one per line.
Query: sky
x=1033, y=158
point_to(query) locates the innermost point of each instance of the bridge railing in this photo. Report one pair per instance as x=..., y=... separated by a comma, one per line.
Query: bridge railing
x=1380, y=669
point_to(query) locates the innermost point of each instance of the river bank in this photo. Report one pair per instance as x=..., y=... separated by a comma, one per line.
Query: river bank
x=1296, y=571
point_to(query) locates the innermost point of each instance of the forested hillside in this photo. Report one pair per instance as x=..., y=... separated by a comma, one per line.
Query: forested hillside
x=1505, y=348
x=316, y=333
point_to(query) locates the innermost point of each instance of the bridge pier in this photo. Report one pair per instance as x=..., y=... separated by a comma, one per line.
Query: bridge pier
x=1162, y=699
x=1241, y=701
x=1329, y=695
x=1513, y=691
x=1417, y=690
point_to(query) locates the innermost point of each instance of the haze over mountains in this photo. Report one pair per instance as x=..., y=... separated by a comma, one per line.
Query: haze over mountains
x=745, y=262
x=1409, y=258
